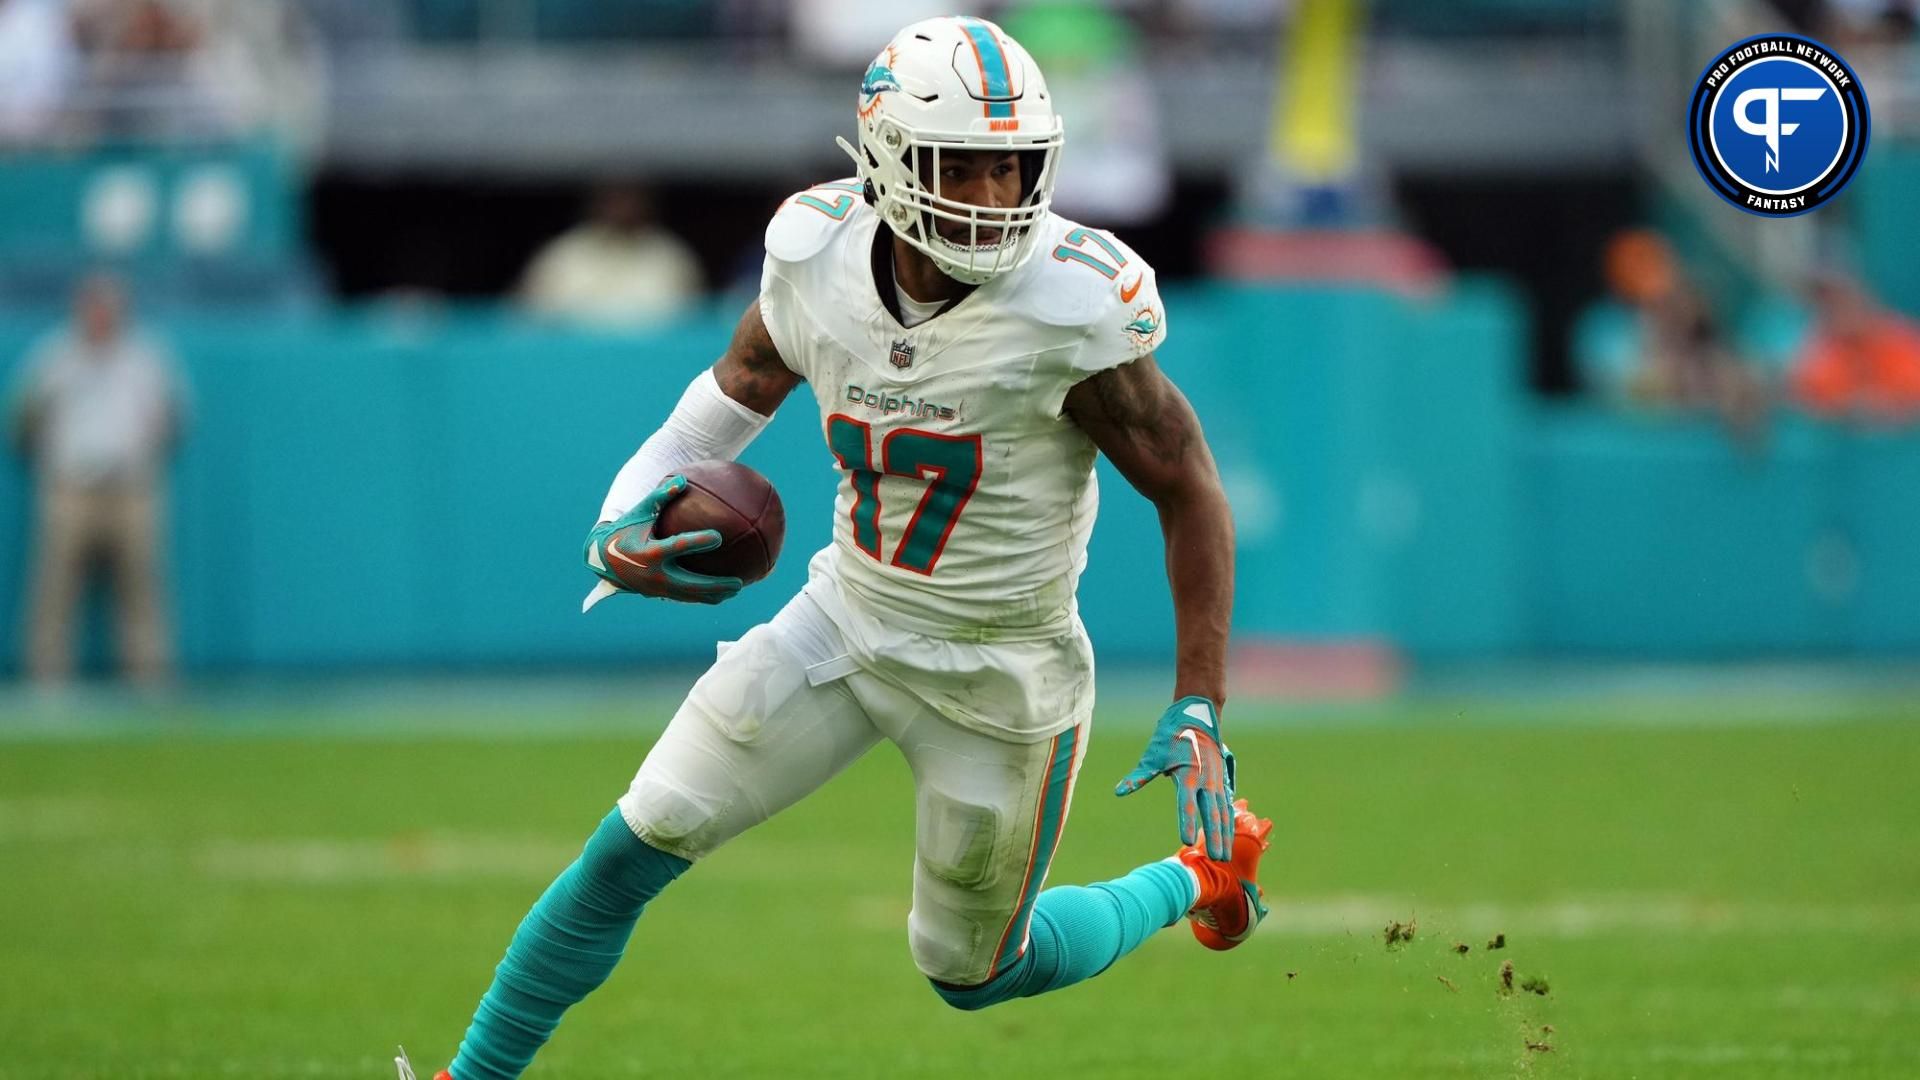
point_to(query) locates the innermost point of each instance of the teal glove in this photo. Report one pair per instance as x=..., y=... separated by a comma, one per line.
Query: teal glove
x=626, y=554
x=1186, y=746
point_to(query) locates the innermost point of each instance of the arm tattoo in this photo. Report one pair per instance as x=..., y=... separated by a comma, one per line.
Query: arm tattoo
x=1138, y=403
x=751, y=371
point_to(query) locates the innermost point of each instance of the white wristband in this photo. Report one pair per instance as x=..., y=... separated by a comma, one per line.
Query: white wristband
x=705, y=425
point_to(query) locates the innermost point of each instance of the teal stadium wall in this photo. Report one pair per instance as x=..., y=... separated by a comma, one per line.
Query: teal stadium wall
x=386, y=488
x=405, y=488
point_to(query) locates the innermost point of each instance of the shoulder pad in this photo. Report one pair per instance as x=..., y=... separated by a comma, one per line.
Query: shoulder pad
x=1083, y=276
x=808, y=219
x=1089, y=280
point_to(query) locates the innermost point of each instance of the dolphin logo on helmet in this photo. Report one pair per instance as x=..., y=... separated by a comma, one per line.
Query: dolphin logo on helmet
x=878, y=81
x=958, y=84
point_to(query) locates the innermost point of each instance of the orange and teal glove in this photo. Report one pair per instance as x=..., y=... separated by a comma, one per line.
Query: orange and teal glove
x=626, y=554
x=1187, y=746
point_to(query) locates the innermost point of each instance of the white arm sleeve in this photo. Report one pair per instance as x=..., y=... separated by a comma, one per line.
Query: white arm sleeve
x=707, y=424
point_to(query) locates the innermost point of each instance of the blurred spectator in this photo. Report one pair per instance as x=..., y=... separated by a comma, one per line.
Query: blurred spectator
x=97, y=411
x=1861, y=360
x=1853, y=23
x=351, y=25
x=195, y=68
x=616, y=269
x=848, y=34
x=1672, y=352
x=37, y=67
x=139, y=67
x=1120, y=174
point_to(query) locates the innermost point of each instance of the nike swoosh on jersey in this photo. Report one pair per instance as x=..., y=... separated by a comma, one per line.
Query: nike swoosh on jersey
x=1128, y=292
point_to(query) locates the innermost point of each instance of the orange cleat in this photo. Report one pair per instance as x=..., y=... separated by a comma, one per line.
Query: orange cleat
x=1231, y=903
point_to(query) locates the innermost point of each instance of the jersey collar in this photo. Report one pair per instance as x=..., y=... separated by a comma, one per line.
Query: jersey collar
x=881, y=262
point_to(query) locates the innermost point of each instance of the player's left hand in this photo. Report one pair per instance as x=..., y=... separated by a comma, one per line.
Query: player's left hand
x=626, y=555
x=1187, y=746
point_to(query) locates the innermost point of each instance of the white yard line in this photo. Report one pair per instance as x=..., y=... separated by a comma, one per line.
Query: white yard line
x=444, y=856
x=325, y=862
x=1587, y=915
x=58, y=817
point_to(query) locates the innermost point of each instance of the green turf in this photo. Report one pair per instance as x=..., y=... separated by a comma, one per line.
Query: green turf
x=1706, y=899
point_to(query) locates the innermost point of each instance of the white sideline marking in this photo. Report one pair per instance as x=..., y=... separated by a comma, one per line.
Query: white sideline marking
x=397, y=858
x=1739, y=1054
x=1580, y=916
x=56, y=817
x=1362, y=917
x=441, y=856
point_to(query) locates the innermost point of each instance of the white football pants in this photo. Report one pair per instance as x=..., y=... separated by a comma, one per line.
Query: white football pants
x=784, y=709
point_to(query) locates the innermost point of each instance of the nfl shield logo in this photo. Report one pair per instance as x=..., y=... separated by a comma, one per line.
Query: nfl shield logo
x=902, y=353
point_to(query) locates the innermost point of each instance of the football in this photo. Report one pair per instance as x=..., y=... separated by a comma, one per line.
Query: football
x=742, y=506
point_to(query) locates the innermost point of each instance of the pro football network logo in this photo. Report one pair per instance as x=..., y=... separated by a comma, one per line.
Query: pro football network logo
x=1778, y=124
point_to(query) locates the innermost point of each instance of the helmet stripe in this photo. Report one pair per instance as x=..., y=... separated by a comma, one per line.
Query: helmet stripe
x=994, y=81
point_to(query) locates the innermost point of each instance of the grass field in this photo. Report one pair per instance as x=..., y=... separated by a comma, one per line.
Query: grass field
x=1711, y=890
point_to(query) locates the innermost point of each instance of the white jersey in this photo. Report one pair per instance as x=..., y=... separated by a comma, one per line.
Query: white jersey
x=966, y=497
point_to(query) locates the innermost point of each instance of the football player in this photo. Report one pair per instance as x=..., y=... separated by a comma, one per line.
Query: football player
x=969, y=352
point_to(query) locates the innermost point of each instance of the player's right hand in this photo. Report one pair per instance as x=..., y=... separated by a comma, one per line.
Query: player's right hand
x=625, y=553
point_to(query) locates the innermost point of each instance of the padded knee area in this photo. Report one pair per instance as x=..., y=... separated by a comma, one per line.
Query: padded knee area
x=942, y=947
x=671, y=817
x=1034, y=971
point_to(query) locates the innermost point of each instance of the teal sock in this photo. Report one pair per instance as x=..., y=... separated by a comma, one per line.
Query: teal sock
x=1079, y=931
x=566, y=946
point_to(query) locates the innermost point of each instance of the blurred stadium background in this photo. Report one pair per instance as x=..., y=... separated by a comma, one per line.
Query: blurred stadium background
x=1577, y=600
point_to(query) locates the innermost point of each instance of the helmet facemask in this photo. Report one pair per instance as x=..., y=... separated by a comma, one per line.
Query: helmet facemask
x=989, y=242
x=912, y=209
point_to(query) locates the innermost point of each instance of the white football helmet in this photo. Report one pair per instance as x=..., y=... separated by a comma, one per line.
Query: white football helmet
x=956, y=83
